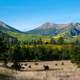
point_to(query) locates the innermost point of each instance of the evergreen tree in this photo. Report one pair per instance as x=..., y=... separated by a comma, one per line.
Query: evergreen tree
x=52, y=41
x=3, y=50
x=61, y=40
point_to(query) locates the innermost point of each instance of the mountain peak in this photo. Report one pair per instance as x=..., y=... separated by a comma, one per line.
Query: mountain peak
x=1, y=22
x=53, y=29
x=47, y=25
x=4, y=27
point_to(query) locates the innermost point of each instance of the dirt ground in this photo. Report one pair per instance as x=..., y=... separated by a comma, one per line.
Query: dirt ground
x=58, y=70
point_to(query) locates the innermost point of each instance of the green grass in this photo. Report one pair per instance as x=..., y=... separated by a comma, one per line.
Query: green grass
x=29, y=37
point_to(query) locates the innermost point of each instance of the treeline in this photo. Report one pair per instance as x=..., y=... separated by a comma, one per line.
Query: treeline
x=7, y=39
x=21, y=53
x=12, y=50
x=40, y=53
x=6, y=44
x=46, y=53
x=60, y=41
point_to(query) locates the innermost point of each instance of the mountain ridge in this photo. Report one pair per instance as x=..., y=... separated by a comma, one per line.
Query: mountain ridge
x=4, y=28
x=54, y=29
x=46, y=30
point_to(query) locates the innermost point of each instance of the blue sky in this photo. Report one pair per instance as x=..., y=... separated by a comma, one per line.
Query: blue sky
x=29, y=14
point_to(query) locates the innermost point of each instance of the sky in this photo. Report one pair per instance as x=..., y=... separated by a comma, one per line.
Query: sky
x=28, y=14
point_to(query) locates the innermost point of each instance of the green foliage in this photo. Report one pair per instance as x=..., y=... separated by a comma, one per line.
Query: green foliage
x=6, y=43
x=68, y=39
x=75, y=56
x=3, y=50
x=41, y=52
x=61, y=40
x=52, y=41
x=35, y=50
x=18, y=54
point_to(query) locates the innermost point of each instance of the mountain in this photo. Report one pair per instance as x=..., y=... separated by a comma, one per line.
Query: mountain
x=53, y=29
x=45, y=31
x=5, y=28
x=9, y=40
x=10, y=33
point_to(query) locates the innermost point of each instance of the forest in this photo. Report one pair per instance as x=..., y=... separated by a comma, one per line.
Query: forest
x=12, y=50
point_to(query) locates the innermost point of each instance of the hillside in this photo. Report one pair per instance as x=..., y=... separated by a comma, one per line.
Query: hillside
x=5, y=28
x=45, y=29
x=69, y=32
x=9, y=40
x=52, y=29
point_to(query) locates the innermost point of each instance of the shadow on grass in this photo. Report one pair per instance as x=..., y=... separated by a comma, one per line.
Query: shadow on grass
x=5, y=77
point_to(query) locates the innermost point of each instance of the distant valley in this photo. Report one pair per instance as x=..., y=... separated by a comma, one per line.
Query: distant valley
x=44, y=31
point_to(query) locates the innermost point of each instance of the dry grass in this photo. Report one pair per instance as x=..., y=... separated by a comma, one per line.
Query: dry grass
x=66, y=71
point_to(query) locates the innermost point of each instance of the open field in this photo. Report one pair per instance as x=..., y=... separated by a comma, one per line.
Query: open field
x=57, y=71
